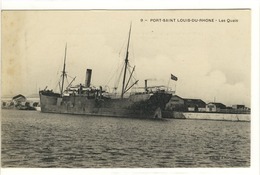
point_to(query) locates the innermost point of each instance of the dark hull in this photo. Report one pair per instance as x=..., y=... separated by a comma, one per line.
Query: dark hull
x=136, y=106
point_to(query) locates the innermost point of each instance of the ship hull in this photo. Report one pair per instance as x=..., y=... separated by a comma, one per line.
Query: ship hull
x=136, y=106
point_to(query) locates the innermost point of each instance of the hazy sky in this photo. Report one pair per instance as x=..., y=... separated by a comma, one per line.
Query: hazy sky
x=210, y=59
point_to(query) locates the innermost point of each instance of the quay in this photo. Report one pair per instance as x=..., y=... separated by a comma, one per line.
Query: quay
x=207, y=116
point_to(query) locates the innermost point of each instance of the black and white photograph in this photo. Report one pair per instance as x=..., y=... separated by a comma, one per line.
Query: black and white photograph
x=126, y=88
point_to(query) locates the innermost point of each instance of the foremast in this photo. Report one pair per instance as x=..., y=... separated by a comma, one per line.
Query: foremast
x=125, y=88
x=63, y=71
x=126, y=63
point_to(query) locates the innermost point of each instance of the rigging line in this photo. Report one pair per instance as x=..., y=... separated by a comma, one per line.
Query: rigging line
x=133, y=54
x=130, y=71
x=55, y=87
x=129, y=65
x=70, y=83
x=57, y=84
x=117, y=82
x=110, y=79
x=67, y=80
x=130, y=75
x=70, y=76
x=113, y=75
x=130, y=78
x=135, y=75
x=121, y=49
x=134, y=78
x=120, y=75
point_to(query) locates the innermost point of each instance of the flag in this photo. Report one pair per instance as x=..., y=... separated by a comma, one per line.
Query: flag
x=174, y=77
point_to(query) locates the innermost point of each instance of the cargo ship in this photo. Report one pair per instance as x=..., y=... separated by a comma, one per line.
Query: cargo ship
x=89, y=100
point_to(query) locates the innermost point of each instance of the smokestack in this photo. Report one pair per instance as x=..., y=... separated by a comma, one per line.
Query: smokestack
x=145, y=85
x=88, y=77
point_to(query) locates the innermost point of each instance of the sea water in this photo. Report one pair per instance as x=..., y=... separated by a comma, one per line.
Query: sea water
x=34, y=139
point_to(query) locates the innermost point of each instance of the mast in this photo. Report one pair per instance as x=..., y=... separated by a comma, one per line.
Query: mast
x=126, y=62
x=63, y=71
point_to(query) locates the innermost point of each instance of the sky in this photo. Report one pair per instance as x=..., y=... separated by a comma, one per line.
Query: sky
x=211, y=59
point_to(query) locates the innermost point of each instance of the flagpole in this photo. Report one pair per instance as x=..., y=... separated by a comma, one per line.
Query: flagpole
x=168, y=84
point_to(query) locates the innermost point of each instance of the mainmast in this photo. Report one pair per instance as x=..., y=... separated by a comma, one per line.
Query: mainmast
x=63, y=71
x=126, y=63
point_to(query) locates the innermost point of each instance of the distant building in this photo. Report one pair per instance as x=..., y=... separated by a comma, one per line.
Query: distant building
x=215, y=107
x=7, y=104
x=248, y=109
x=238, y=106
x=194, y=104
x=177, y=103
x=18, y=99
x=3, y=103
x=240, y=109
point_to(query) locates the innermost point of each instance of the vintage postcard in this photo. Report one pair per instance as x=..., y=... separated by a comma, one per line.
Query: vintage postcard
x=126, y=89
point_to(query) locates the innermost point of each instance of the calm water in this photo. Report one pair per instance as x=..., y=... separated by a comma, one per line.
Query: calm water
x=34, y=139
